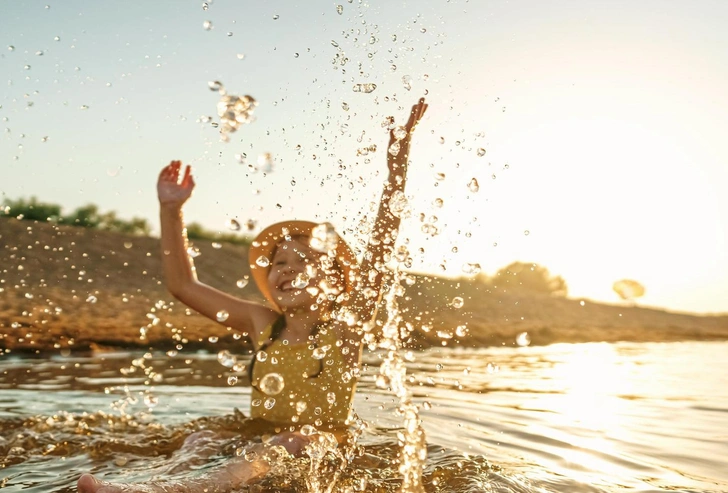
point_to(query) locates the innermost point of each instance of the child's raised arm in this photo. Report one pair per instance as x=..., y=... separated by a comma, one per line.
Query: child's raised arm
x=386, y=224
x=179, y=270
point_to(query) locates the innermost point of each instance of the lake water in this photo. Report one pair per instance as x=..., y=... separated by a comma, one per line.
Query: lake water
x=562, y=418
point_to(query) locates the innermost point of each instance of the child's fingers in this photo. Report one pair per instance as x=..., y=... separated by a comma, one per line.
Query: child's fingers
x=186, y=180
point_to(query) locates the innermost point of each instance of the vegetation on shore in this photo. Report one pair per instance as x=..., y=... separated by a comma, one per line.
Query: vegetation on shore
x=89, y=216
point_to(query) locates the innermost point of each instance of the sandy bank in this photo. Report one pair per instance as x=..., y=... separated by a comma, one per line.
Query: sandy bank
x=72, y=288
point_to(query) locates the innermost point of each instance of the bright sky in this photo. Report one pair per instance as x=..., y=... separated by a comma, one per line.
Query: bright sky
x=603, y=124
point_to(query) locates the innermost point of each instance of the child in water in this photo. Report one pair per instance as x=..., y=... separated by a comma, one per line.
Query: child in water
x=308, y=341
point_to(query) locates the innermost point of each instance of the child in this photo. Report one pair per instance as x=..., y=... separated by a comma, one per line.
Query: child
x=308, y=341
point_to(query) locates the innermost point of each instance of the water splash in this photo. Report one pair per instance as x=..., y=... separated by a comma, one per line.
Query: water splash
x=234, y=111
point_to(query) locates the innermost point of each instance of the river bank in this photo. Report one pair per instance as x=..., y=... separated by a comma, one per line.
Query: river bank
x=76, y=289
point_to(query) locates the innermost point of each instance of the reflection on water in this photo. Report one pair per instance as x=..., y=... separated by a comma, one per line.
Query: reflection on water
x=586, y=417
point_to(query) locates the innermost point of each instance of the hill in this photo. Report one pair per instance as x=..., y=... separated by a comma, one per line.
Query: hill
x=71, y=288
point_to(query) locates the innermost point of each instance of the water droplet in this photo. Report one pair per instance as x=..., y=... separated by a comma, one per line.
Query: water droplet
x=398, y=204
x=91, y=299
x=473, y=185
x=241, y=283
x=324, y=238
x=367, y=88
x=240, y=56
x=226, y=359
x=407, y=82
x=57, y=38
x=345, y=106
x=84, y=107
x=372, y=39
x=331, y=398
x=426, y=405
x=262, y=261
x=222, y=315
x=339, y=9
x=438, y=202
x=234, y=111
x=423, y=30
x=272, y=384
x=212, y=339
x=276, y=17
x=430, y=229
x=216, y=245
x=301, y=407
x=207, y=25
x=439, y=176
x=11, y=48
x=150, y=400
x=232, y=380
x=261, y=356
x=269, y=403
x=193, y=251
x=461, y=331
x=399, y=133
x=308, y=430
x=301, y=281
x=471, y=269
x=27, y=67
x=320, y=352
x=229, y=34
x=39, y=53
x=457, y=302
x=394, y=148
x=523, y=339
x=233, y=224
x=481, y=152
x=216, y=85
x=205, y=6
x=527, y=232
x=265, y=162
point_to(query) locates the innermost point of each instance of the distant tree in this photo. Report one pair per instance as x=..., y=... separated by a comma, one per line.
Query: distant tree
x=86, y=216
x=89, y=216
x=534, y=278
x=195, y=231
x=628, y=289
x=32, y=210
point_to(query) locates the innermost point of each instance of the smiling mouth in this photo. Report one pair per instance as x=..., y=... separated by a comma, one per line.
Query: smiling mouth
x=286, y=286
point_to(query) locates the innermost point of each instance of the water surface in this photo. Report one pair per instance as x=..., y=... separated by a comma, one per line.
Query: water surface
x=580, y=417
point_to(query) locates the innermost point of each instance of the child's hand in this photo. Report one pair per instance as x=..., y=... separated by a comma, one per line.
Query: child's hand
x=169, y=188
x=418, y=111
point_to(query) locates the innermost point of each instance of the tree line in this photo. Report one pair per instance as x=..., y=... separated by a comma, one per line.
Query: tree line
x=89, y=216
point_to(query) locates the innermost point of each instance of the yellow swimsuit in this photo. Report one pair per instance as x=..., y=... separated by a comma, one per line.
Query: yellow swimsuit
x=317, y=385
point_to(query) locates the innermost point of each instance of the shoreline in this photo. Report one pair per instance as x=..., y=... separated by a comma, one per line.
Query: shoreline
x=74, y=288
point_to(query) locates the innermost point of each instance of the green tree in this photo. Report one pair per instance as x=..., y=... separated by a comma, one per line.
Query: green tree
x=86, y=216
x=32, y=210
x=530, y=277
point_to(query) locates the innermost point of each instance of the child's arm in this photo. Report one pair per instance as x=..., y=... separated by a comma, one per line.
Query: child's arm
x=179, y=270
x=386, y=224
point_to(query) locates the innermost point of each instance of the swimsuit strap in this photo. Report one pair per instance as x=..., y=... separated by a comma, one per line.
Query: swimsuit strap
x=275, y=332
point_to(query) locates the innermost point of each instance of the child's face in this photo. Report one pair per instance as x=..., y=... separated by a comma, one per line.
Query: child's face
x=297, y=276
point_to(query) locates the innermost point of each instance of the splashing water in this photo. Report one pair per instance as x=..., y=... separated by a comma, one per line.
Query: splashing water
x=393, y=369
x=272, y=384
x=234, y=111
x=366, y=88
x=324, y=238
